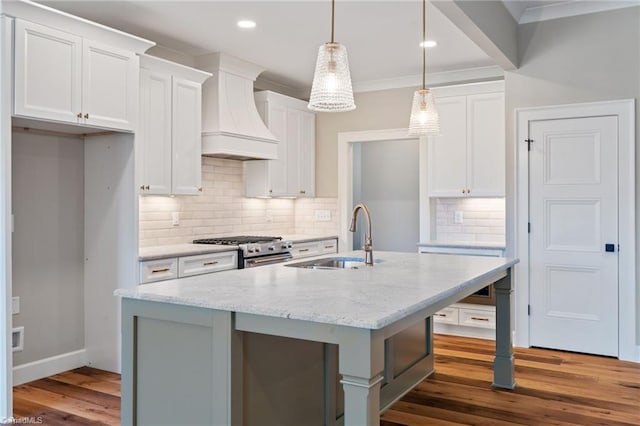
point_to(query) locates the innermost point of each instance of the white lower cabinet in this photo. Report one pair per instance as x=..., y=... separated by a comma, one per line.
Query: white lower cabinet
x=314, y=248
x=206, y=263
x=464, y=319
x=187, y=266
x=158, y=270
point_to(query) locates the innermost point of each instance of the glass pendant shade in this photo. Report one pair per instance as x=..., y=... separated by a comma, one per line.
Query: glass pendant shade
x=424, y=120
x=331, y=90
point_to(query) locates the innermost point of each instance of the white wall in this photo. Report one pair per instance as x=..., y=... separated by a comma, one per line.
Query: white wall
x=385, y=178
x=48, y=243
x=584, y=58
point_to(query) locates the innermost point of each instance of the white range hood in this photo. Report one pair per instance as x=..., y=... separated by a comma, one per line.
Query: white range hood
x=231, y=126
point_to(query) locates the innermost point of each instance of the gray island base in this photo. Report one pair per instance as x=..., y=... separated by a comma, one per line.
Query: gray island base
x=291, y=346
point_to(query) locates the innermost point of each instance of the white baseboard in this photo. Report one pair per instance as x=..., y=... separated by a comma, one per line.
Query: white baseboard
x=49, y=366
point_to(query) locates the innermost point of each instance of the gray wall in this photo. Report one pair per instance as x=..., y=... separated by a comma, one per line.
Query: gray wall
x=386, y=179
x=585, y=58
x=48, y=243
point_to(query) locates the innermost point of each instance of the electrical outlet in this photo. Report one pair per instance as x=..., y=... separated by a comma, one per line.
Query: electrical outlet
x=175, y=218
x=458, y=216
x=15, y=305
x=17, y=339
x=323, y=215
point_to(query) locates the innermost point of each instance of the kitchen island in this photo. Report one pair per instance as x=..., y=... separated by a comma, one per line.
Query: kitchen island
x=183, y=354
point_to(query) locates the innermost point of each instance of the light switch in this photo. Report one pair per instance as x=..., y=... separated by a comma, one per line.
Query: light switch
x=15, y=305
x=458, y=216
x=323, y=215
x=175, y=218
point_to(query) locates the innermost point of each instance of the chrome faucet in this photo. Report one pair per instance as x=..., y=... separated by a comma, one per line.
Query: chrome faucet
x=368, y=244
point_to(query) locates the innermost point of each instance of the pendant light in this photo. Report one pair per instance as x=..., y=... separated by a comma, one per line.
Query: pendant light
x=424, y=120
x=331, y=89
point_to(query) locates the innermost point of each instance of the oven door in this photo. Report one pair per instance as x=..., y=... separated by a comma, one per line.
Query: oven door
x=267, y=260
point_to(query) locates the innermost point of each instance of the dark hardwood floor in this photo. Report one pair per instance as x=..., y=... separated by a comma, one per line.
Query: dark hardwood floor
x=554, y=388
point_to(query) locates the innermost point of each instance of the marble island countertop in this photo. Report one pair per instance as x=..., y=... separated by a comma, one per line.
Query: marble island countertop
x=368, y=297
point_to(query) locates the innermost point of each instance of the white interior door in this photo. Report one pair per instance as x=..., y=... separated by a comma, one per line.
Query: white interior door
x=574, y=223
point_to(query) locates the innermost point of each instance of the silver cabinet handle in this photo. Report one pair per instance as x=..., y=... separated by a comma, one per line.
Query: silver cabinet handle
x=215, y=262
x=479, y=319
x=303, y=250
x=155, y=271
x=328, y=247
x=441, y=315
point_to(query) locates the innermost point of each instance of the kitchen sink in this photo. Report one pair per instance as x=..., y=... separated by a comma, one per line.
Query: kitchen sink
x=332, y=263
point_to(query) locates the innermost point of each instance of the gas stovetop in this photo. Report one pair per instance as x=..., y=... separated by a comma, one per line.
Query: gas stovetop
x=252, y=246
x=236, y=241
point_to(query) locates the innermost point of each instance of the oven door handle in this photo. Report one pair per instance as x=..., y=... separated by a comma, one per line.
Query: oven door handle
x=267, y=260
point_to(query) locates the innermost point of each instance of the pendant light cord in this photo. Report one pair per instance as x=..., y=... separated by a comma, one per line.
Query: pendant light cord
x=424, y=47
x=333, y=9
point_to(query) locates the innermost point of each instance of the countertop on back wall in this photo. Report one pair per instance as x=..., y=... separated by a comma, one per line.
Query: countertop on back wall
x=500, y=245
x=188, y=249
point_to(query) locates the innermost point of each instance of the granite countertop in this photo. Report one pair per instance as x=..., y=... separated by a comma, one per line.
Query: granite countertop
x=177, y=250
x=465, y=244
x=368, y=297
x=188, y=249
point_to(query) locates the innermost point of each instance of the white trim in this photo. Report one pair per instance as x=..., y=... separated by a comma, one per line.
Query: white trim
x=625, y=111
x=48, y=367
x=345, y=175
x=6, y=353
x=493, y=72
x=571, y=8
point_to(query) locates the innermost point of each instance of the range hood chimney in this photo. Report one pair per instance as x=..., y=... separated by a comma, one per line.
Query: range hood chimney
x=231, y=126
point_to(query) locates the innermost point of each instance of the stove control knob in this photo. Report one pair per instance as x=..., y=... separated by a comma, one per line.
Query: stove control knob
x=290, y=245
x=284, y=246
x=257, y=249
x=272, y=248
x=250, y=250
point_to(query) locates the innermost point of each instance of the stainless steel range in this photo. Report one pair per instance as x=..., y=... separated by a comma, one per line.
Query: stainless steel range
x=255, y=250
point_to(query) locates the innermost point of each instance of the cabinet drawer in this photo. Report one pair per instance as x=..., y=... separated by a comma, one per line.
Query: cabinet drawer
x=446, y=316
x=477, y=318
x=329, y=246
x=306, y=249
x=205, y=263
x=158, y=270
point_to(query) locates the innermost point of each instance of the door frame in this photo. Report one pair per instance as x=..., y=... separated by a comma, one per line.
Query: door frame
x=345, y=177
x=624, y=110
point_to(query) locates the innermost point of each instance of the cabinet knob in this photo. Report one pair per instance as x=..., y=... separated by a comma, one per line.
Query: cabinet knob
x=468, y=191
x=146, y=187
x=142, y=187
x=86, y=116
x=303, y=191
x=79, y=115
x=200, y=189
x=270, y=191
x=464, y=191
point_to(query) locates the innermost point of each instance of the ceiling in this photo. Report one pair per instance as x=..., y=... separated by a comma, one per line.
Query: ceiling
x=381, y=36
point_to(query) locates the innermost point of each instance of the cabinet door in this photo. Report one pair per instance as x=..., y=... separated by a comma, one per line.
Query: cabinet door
x=154, y=133
x=486, y=145
x=278, y=173
x=48, y=67
x=109, y=86
x=294, y=134
x=306, y=165
x=447, y=152
x=187, y=137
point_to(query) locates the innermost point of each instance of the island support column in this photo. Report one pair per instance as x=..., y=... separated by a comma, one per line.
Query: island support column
x=503, y=367
x=361, y=360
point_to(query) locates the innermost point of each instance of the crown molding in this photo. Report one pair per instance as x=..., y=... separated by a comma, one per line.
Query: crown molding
x=433, y=79
x=572, y=8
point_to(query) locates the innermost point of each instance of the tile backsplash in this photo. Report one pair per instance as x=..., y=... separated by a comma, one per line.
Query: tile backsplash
x=222, y=210
x=483, y=219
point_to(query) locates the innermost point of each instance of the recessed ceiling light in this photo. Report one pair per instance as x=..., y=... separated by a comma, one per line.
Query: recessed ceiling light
x=428, y=43
x=246, y=24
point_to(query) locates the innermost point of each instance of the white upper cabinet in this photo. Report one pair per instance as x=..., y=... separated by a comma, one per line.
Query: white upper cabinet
x=170, y=130
x=293, y=173
x=64, y=77
x=468, y=158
